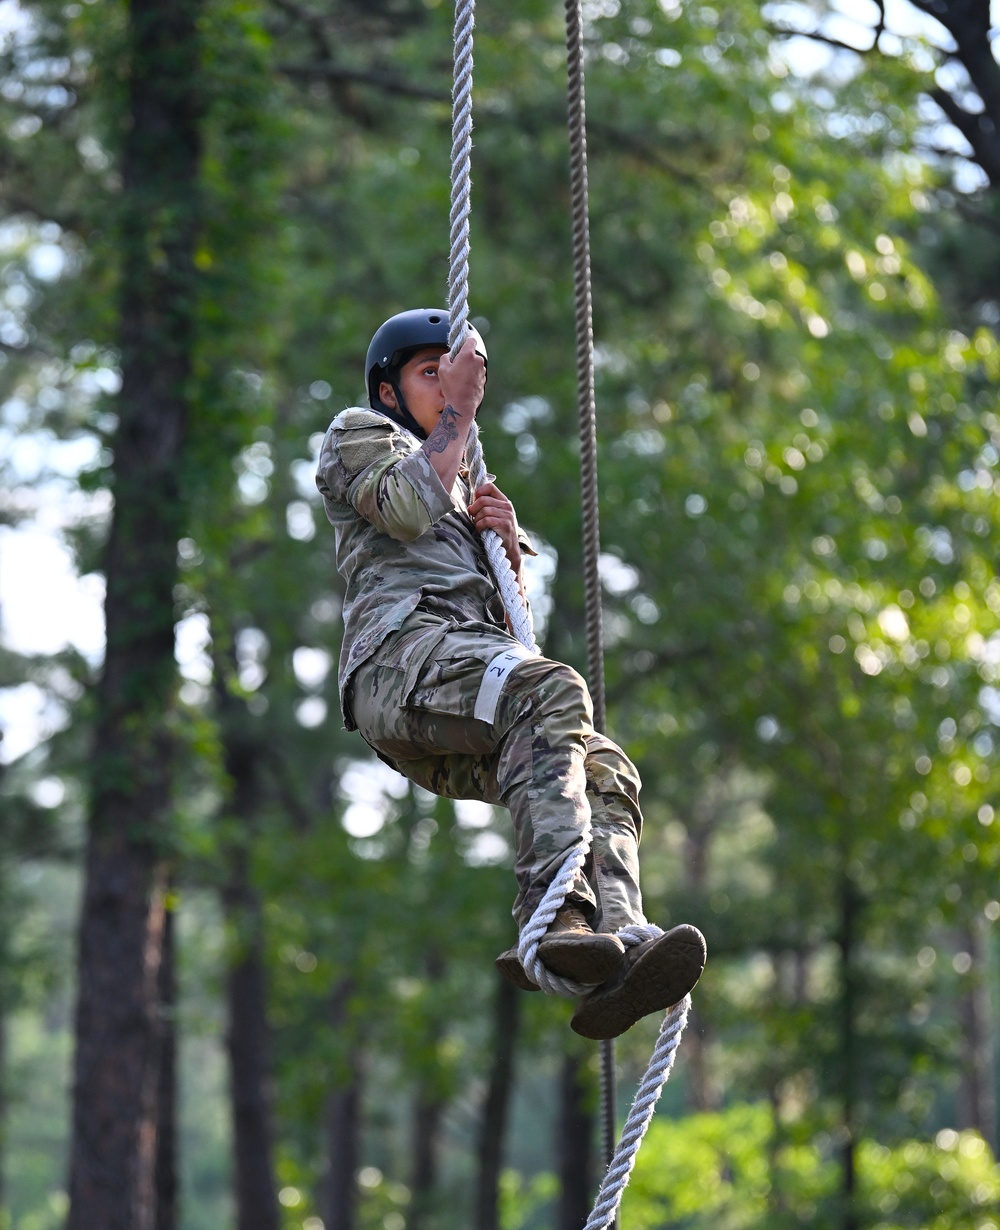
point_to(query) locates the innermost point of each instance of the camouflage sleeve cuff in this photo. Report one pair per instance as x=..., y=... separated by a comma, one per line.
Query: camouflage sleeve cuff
x=524, y=542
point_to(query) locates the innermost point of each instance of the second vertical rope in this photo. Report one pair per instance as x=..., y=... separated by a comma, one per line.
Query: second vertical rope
x=584, y=313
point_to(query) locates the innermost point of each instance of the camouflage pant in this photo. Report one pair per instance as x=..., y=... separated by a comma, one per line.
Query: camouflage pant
x=536, y=753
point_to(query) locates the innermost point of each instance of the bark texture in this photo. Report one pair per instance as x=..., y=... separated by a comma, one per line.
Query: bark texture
x=493, y=1128
x=850, y=909
x=249, y=1064
x=575, y=1146
x=976, y=1103
x=113, y=1145
x=248, y=1039
x=167, y=1186
x=427, y=1118
x=4, y=1105
x=343, y=1121
x=968, y=22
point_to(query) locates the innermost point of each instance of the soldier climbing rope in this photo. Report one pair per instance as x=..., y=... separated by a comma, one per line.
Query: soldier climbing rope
x=621, y=1158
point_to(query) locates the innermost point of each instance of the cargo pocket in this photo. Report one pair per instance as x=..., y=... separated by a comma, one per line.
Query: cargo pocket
x=407, y=651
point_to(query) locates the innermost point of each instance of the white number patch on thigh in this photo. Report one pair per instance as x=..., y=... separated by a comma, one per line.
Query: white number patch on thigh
x=495, y=677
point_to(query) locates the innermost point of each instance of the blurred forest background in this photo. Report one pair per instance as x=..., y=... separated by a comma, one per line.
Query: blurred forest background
x=263, y=962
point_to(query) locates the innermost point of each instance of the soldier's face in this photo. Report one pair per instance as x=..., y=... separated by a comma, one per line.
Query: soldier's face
x=419, y=384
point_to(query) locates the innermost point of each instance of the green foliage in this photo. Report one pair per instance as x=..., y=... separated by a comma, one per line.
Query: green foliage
x=521, y=1200
x=738, y=1169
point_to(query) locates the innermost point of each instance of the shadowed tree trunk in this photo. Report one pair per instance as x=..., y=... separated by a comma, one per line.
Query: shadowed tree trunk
x=702, y=1093
x=575, y=1145
x=166, y=1100
x=249, y=1061
x=506, y=1018
x=3, y=1041
x=976, y=1105
x=248, y=1041
x=699, y=827
x=428, y=1113
x=3, y=1099
x=113, y=1142
x=850, y=906
x=343, y=1120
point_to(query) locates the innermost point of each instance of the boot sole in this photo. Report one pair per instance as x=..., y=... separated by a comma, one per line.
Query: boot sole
x=662, y=974
x=510, y=967
x=590, y=958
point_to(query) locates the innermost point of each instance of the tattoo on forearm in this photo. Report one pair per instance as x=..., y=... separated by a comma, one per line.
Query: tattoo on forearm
x=444, y=433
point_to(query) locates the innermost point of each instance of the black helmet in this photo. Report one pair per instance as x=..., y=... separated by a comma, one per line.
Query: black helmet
x=406, y=331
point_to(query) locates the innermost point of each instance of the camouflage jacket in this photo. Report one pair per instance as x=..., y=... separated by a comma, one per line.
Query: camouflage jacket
x=403, y=541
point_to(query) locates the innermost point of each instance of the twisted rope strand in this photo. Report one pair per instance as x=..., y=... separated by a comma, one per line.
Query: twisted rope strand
x=538, y=924
x=584, y=308
x=639, y=1117
x=461, y=175
x=458, y=299
x=506, y=579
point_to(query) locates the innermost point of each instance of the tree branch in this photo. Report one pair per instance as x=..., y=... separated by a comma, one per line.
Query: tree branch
x=983, y=137
x=818, y=36
x=880, y=27
x=967, y=22
x=665, y=658
x=325, y=68
x=620, y=140
x=328, y=71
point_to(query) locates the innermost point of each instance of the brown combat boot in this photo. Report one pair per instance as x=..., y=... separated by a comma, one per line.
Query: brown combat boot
x=654, y=976
x=570, y=948
x=512, y=969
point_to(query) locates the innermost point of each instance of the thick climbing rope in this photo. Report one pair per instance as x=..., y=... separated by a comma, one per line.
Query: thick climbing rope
x=623, y=1160
x=639, y=1117
x=458, y=301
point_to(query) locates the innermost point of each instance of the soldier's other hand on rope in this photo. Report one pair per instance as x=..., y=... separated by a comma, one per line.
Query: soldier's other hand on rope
x=491, y=510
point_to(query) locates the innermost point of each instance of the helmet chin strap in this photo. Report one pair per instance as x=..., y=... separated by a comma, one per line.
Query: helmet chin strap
x=401, y=413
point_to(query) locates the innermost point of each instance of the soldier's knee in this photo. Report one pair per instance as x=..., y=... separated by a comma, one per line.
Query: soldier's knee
x=555, y=691
x=609, y=770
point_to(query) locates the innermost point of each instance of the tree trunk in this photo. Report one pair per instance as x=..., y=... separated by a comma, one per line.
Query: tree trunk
x=113, y=1145
x=4, y=1105
x=777, y=1209
x=428, y=1113
x=343, y=1114
x=976, y=1106
x=506, y=1016
x=701, y=823
x=249, y=1061
x=702, y=1093
x=166, y=1135
x=126, y=1082
x=849, y=909
x=575, y=1146
x=247, y=1034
